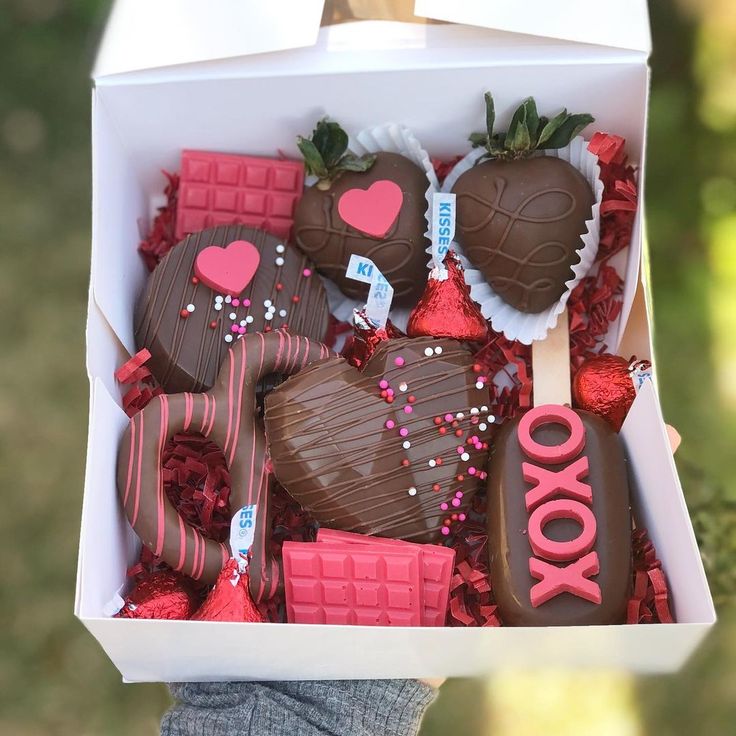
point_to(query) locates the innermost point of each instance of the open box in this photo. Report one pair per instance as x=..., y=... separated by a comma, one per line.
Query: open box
x=203, y=87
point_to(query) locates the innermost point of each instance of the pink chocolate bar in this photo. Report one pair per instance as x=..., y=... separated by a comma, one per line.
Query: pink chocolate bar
x=224, y=189
x=437, y=566
x=347, y=584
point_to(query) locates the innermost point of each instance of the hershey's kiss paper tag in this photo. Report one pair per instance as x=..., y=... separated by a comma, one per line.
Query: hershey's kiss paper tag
x=242, y=533
x=640, y=372
x=443, y=225
x=381, y=293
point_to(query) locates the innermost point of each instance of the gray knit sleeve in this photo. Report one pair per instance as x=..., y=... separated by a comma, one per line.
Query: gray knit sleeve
x=324, y=707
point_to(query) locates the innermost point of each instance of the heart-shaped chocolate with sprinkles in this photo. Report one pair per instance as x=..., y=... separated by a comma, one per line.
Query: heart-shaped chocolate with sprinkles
x=397, y=450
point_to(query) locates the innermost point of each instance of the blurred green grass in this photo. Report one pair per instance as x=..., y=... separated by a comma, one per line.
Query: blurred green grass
x=54, y=679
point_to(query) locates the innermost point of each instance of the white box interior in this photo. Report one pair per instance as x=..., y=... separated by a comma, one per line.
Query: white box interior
x=432, y=80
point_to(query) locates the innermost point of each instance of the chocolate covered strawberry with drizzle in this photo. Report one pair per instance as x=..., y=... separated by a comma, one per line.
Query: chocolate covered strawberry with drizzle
x=372, y=206
x=520, y=215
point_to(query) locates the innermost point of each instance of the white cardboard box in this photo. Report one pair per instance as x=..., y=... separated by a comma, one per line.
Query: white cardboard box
x=199, y=83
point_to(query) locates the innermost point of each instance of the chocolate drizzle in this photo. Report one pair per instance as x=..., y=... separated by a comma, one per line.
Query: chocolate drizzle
x=329, y=241
x=333, y=450
x=520, y=223
x=187, y=352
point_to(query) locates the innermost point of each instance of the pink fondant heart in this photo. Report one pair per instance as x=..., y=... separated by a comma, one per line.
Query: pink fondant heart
x=372, y=210
x=227, y=270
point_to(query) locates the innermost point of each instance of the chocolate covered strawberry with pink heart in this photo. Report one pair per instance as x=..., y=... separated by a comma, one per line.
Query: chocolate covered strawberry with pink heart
x=372, y=206
x=396, y=450
x=214, y=287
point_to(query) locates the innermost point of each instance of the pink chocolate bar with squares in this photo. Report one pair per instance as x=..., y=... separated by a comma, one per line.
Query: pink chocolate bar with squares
x=348, y=584
x=437, y=565
x=228, y=189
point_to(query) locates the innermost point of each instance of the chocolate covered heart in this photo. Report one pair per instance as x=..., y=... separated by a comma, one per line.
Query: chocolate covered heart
x=373, y=206
x=520, y=219
x=395, y=450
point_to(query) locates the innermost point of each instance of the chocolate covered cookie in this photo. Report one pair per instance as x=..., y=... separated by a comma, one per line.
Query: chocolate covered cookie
x=372, y=206
x=394, y=450
x=520, y=218
x=215, y=286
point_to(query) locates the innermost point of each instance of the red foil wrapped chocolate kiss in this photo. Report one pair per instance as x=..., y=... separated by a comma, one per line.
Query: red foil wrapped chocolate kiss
x=164, y=594
x=606, y=385
x=230, y=599
x=446, y=309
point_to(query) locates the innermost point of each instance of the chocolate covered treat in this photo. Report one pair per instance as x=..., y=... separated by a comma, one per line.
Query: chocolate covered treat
x=394, y=450
x=559, y=525
x=215, y=286
x=227, y=415
x=519, y=216
x=372, y=206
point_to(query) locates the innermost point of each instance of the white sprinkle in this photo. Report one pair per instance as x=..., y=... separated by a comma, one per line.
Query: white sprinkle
x=248, y=319
x=403, y=387
x=459, y=415
x=406, y=444
x=479, y=384
x=491, y=418
x=268, y=316
x=432, y=463
x=267, y=303
x=282, y=313
x=412, y=491
x=218, y=306
x=228, y=299
x=465, y=456
x=233, y=316
x=428, y=352
x=271, y=309
x=474, y=410
x=190, y=308
x=279, y=261
x=438, y=351
x=243, y=323
x=482, y=426
x=228, y=338
x=280, y=248
x=218, y=299
x=484, y=409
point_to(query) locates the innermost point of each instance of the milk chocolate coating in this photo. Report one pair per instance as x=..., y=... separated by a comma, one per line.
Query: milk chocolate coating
x=508, y=539
x=322, y=234
x=332, y=451
x=186, y=353
x=520, y=222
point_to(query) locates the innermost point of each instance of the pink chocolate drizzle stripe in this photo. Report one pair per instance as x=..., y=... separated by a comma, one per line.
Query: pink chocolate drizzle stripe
x=131, y=455
x=182, y=545
x=160, y=515
x=137, y=498
x=188, y=410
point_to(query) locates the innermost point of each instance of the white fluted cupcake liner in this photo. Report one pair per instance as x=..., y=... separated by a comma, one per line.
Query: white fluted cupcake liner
x=516, y=325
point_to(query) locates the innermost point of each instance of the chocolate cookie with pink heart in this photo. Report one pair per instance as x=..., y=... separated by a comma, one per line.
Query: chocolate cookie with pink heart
x=397, y=450
x=216, y=286
x=372, y=206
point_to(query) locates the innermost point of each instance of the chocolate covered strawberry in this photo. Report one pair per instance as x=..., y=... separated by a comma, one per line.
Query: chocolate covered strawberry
x=372, y=205
x=520, y=215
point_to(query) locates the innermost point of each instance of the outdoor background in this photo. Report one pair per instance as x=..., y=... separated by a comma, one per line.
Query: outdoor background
x=54, y=679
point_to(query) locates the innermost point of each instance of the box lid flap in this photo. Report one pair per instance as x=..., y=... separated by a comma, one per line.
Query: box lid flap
x=618, y=23
x=145, y=35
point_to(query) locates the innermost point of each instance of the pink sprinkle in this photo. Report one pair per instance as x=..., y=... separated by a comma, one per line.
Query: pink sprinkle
x=461, y=517
x=455, y=502
x=403, y=431
x=399, y=361
x=444, y=506
x=474, y=420
x=246, y=302
x=445, y=530
x=390, y=424
x=448, y=417
x=234, y=328
x=241, y=330
x=471, y=470
x=383, y=383
x=459, y=494
x=474, y=439
x=478, y=446
x=389, y=391
x=236, y=302
x=307, y=272
x=407, y=409
x=460, y=450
